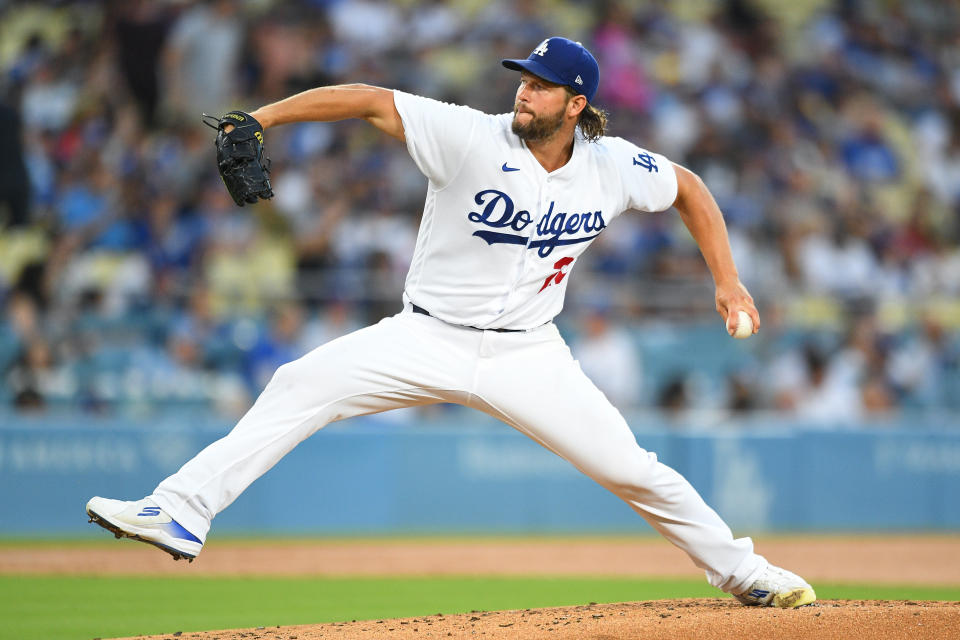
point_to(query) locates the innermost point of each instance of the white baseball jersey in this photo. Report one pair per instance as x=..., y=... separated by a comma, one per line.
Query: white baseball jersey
x=500, y=235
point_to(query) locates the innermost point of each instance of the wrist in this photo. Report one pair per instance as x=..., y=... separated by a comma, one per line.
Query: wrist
x=262, y=117
x=726, y=280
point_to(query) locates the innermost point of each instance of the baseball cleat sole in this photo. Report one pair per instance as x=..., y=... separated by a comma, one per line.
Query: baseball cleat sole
x=120, y=533
x=795, y=598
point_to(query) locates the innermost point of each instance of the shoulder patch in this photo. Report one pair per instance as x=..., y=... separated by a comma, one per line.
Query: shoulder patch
x=646, y=161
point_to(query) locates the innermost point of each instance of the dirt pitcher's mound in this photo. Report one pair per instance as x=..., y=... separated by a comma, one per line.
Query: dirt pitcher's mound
x=704, y=619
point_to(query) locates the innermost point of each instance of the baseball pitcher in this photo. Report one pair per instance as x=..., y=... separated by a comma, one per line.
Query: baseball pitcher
x=513, y=201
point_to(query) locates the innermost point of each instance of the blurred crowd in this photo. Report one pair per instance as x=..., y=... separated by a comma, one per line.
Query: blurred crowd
x=829, y=133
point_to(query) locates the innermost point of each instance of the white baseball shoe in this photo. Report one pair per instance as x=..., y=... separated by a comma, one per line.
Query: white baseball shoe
x=143, y=520
x=778, y=587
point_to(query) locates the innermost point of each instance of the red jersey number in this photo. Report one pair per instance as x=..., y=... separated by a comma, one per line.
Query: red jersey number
x=559, y=274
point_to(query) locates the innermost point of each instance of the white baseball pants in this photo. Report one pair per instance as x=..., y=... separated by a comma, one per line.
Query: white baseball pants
x=527, y=379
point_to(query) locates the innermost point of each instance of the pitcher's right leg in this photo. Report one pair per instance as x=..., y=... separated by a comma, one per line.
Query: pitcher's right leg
x=563, y=410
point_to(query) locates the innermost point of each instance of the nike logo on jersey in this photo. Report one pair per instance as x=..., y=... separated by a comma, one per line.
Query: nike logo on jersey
x=553, y=229
x=505, y=168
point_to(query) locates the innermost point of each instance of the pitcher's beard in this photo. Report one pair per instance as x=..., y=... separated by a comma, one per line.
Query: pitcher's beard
x=539, y=127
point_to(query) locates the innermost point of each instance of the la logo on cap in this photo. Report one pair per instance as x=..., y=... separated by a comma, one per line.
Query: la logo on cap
x=542, y=49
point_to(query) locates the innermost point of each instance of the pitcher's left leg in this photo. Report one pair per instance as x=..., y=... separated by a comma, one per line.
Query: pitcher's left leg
x=531, y=382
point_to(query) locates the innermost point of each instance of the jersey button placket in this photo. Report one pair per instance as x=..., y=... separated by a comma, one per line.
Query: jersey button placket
x=544, y=206
x=512, y=291
x=525, y=251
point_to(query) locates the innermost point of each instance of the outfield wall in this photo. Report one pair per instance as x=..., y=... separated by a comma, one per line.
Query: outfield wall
x=368, y=476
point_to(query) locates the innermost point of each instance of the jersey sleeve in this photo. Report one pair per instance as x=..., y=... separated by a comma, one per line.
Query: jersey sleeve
x=438, y=134
x=648, y=179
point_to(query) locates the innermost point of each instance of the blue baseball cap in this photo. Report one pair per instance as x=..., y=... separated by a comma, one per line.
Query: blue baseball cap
x=562, y=62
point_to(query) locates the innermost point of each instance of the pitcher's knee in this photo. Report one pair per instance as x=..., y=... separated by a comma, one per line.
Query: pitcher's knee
x=299, y=375
x=630, y=472
x=311, y=384
x=286, y=375
x=295, y=393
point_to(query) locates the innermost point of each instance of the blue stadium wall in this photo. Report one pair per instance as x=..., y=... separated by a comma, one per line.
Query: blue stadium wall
x=368, y=476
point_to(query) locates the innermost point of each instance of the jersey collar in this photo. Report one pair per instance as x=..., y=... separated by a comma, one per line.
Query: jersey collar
x=578, y=143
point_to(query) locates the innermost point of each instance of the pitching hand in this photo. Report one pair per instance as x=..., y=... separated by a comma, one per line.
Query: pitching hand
x=732, y=298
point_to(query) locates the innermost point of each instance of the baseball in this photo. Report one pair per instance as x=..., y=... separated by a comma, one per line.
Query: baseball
x=744, y=326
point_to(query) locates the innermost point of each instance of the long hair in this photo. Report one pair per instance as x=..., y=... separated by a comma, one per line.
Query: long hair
x=592, y=122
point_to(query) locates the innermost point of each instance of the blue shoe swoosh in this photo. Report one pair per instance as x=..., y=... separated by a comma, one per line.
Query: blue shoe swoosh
x=506, y=168
x=176, y=530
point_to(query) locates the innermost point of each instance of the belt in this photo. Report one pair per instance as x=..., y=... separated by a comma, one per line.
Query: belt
x=423, y=311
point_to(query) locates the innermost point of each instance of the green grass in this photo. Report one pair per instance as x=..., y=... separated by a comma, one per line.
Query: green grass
x=53, y=607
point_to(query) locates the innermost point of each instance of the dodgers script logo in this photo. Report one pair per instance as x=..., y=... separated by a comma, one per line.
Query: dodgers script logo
x=553, y=229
